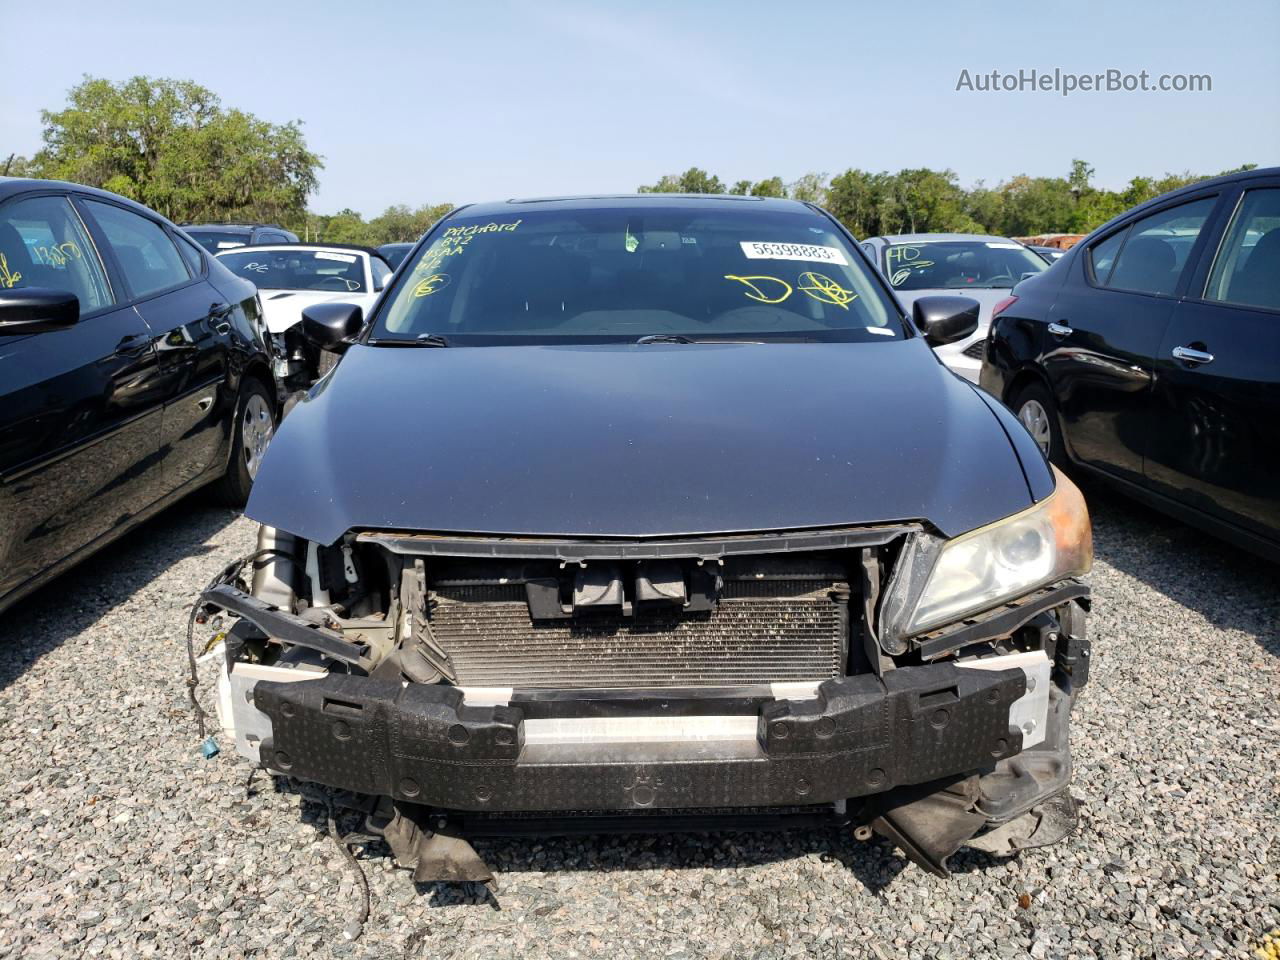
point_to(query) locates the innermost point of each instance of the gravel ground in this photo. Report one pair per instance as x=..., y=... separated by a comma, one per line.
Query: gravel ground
x=118, y=839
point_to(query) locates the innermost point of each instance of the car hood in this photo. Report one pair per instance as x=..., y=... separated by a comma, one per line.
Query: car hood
x=987, y=299
x=638, y=441
x=281, y=309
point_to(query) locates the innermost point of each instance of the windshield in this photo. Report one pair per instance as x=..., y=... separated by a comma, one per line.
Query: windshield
x=393, y=253
x=601, y=275
x=215, y=241
x=293, y=269
x=959, y=264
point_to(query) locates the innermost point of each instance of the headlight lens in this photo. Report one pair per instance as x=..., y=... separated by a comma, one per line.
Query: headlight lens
x=1006, y=559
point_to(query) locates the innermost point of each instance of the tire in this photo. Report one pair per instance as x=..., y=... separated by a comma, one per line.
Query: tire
x=254, y=425
x=1036, y=410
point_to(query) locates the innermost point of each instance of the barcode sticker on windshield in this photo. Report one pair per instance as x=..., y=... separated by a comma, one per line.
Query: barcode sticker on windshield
x=340, y=257
x=765, y=250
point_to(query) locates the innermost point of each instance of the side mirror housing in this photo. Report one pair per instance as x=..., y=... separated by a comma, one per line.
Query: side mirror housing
x=37, y=310
x=330, y=326
x=945, y=319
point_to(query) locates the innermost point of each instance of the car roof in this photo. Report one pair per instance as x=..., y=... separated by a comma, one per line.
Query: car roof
x=625, y=201
x=9, y=186
x=936, y=237
x=299, y=247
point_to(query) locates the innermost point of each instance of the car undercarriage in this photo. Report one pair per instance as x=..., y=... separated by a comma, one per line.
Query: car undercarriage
x=453, y=687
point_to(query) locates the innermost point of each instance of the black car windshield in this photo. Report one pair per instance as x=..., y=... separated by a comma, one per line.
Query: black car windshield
x=215, y=241
x=294, y=269
x=393, y=253
x=959, y=264
x=623, y=273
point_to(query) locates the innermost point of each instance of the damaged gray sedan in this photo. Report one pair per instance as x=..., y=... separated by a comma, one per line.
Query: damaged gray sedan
x=654, y=513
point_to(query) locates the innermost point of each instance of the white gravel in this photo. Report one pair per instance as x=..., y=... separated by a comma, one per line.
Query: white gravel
x=117, y=839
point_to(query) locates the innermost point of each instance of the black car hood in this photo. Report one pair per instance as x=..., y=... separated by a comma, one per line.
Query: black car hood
x=638, y=441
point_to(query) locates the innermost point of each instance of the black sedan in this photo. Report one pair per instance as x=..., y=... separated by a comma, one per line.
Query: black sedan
x=133, y=369
x=1150, y=356
x=654, y=507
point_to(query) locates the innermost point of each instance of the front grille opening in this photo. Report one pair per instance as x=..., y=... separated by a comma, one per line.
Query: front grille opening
x=752, y=620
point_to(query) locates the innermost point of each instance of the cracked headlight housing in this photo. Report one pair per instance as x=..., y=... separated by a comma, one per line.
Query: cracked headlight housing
x=941, y=581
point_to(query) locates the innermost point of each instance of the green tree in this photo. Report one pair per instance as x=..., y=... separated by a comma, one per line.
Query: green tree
x=693, y=180
x=811, y=188
x=170, y=145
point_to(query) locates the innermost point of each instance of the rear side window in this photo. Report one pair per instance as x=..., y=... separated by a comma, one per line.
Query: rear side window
x=1247, y=269
x=1156, y=248
x=1102, y=256
x=147, y=257
x=191, y=253
x=44, y=244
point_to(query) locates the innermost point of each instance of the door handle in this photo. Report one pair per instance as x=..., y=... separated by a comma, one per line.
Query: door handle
x=1192, y=355
x=1059, y=330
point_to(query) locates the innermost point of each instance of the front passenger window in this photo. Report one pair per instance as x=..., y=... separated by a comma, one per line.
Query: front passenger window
x=44, y=244
x=1247, y=270
x=1156, y=248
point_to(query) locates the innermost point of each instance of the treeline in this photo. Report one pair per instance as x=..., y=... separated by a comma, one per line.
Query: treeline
x=933, y=201
x=171, y=145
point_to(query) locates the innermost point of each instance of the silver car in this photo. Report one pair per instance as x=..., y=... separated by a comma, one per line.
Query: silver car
x=969, y=264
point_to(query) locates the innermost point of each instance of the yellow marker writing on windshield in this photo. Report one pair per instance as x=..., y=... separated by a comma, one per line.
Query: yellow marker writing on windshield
x=431, y=284
x=756, y=293
x=823, y=288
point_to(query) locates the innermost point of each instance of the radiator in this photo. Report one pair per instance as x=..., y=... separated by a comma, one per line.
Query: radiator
x=762, y=630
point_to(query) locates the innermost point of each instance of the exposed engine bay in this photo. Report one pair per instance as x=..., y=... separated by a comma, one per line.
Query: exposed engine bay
x=467, y=686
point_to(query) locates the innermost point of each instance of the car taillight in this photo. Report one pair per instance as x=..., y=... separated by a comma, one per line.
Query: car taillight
x=1002, y=306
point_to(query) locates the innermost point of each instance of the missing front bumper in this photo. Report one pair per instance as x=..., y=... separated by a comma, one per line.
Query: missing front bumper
x=428, y=745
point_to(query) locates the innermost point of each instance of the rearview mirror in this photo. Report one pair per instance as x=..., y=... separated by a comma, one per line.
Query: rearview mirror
x=945, y=319
x=36, y=310
x=330, y=325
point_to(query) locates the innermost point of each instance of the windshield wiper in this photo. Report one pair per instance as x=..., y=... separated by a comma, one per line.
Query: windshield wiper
x=681, y=338
x=666, y=338
x=421, y=340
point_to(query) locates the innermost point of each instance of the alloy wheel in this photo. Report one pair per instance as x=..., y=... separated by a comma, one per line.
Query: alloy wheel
x=1035, y=418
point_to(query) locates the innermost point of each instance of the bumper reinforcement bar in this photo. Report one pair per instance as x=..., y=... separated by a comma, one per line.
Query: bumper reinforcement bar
x=425, y=744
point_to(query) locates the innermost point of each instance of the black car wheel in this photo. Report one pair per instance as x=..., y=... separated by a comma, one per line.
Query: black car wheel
x=254, y=426
x=1035, y=410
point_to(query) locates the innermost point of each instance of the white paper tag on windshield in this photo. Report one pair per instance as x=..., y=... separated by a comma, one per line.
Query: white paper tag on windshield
x=1004, y=246
x=767, y=250
x=228, y=244
x=340, y=257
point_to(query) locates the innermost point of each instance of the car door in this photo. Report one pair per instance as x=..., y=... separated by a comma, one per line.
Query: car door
x=189, y=321
x=1105, y=328
x=79, y=412
x=1216, y=442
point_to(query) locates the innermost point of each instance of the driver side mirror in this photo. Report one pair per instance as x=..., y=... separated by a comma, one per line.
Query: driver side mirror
x=331, y=325
x=37, y=310
x=945, y=319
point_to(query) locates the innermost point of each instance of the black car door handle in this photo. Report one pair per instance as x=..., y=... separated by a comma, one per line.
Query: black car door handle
x=1192, y=355
x=1059, y=329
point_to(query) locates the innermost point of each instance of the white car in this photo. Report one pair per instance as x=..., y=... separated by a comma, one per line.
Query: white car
x=293, y=276
x=957, y=264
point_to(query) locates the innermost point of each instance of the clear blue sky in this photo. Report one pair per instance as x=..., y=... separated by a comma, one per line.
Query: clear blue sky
x=481, y=99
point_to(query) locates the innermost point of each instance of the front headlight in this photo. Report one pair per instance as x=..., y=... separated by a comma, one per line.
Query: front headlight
x=991, y=565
